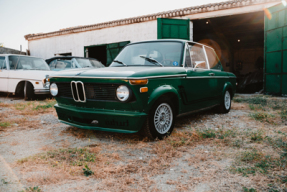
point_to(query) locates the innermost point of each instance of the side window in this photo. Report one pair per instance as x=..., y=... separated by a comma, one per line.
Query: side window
x=63, y=64
x=187, y=58
x=198, y=59
x=2, y=63
x=213, y=60
x=52, y=65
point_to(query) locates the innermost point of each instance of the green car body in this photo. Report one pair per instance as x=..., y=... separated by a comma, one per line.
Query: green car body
x=92, y=102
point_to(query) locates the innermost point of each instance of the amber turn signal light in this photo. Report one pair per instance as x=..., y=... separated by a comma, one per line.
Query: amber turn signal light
x=143, y=89
x=139, y=82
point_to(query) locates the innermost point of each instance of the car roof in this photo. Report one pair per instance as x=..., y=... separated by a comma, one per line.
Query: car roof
x=67, y=57
x=8, y=54
x=170, y=40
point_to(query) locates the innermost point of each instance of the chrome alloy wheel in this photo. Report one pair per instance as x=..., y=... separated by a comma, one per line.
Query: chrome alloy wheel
x=227, y=100
x=163, y=118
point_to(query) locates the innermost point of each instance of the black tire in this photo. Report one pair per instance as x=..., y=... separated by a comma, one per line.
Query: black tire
x=225, y=104
x=29, y=91
x=165, y=120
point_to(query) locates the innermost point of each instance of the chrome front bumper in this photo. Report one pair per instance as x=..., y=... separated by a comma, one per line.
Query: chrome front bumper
x=42, y=91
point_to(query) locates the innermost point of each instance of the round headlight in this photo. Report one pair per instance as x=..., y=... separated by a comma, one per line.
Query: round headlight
x=123, y=93
x=54, y=89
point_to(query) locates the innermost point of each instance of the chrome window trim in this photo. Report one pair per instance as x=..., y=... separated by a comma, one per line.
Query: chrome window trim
x=206, y=58
x=125, y=78
x=203, y=77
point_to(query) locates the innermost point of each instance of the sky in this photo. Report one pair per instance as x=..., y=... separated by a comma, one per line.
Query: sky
x=22, y=17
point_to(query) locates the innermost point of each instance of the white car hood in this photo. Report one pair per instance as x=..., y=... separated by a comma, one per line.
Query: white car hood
x=37, y=75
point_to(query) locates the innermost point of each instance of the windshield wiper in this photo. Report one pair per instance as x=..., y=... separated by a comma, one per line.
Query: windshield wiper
x=120, y=62
x=151, y=60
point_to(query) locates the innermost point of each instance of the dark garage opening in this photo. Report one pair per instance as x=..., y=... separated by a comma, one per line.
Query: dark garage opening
x=99, y=53
x=239, y=42
x=105, y=53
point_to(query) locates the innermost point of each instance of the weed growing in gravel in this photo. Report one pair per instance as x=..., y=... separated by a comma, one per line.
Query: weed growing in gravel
x=252, y=107
x=4, y=182
x=87, y=171
x=32, y=189
x=21, y=106
x=258, y=100
x=256, y=136
x=49, y=104
x=238, y=143
x=263, y=117
x=219, y=133
x=250, y=156
x=283, y=114
x=34, y=108
x=208, y=133
x=249, y=190
x=70, y=156
x=4, y=124
x=73, y=156
x=263, y=103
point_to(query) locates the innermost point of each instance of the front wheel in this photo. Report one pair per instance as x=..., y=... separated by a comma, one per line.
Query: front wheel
x=29, y=91
x=225, y=104
x=160, y=121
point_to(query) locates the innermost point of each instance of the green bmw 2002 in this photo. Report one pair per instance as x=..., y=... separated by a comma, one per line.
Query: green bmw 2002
x=145, y=88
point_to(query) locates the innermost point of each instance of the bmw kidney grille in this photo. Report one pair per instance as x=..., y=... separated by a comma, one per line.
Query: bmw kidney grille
x=78, y=91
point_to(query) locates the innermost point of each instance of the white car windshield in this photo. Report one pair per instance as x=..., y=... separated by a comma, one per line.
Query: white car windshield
x=89, y=63
x=167, y=54
x=27, y=63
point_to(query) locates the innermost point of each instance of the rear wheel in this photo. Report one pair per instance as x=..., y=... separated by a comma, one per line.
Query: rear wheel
x=225, y=105
x=160, y=121
x=29, y=91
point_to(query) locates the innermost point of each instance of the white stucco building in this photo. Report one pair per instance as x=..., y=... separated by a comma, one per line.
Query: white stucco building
x=234, y=28
x=72, y=41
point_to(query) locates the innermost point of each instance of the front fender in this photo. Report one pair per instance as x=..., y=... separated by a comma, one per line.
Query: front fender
x=228, y=85
x=159, y=91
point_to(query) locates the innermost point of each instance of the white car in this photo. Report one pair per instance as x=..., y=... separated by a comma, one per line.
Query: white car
x=24, y=75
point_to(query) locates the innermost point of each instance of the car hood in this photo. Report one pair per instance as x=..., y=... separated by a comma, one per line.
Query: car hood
x=122, y=72
x=38, y=75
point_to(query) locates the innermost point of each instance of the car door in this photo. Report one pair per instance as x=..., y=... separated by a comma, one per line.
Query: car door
x=197, y=84
x=218, y=76
x=4, y=74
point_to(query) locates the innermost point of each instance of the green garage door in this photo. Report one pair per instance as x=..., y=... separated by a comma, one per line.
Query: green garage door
x=105, y=53
x=276, y=51
x=113, y=50
x=173, y=28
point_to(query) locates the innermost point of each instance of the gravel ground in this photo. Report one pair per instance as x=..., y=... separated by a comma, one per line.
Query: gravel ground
x=199, y=167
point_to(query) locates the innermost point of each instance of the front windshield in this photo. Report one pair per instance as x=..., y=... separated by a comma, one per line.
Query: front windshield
x=89, y=63
x=167, y=54
x=27, y=63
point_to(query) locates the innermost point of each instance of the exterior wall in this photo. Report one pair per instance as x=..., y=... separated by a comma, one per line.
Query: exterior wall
x=47, y=47
x=191, y=31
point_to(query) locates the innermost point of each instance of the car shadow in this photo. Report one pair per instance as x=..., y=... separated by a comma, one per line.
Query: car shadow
x=12, y=97
x=181, y=123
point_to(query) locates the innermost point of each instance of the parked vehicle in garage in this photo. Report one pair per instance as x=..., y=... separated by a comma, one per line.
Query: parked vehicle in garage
x=145, y=88
x=69, y=62
x=24, y=75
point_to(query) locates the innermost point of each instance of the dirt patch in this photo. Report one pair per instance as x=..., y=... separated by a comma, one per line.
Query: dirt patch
x=206, y=152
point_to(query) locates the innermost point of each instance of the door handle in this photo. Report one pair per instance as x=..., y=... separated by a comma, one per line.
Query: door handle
x=211, y=74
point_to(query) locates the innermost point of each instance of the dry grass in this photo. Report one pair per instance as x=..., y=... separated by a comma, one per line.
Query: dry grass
x=23, y=115
x=225, y=152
